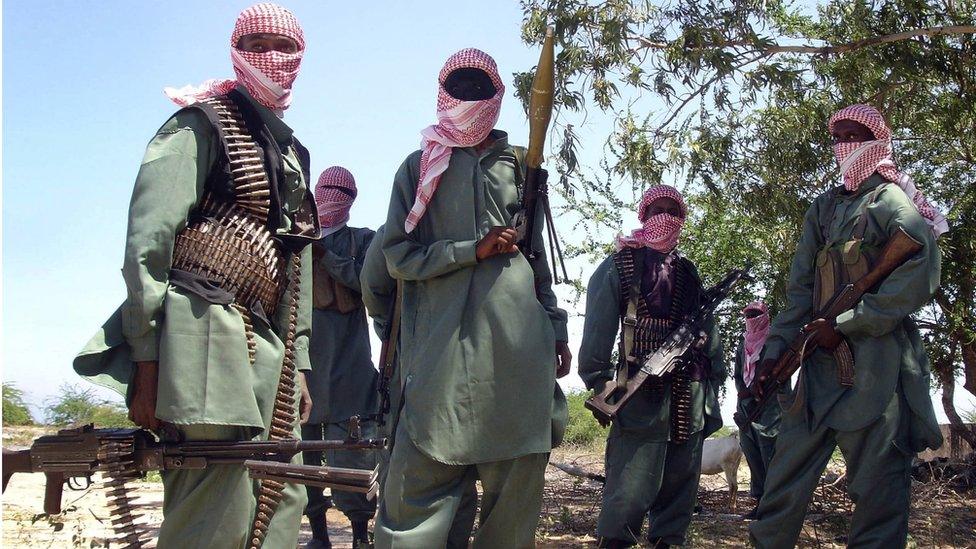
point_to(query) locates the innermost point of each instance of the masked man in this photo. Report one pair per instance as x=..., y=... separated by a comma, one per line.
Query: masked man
x=654, y=449
x=379, y=292
x=881, y=414
x=758, y=440
x=342, y=381
x=213, y=336
x=479, y=351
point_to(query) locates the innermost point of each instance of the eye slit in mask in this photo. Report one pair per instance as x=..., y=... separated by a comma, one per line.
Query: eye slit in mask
x=469, y=84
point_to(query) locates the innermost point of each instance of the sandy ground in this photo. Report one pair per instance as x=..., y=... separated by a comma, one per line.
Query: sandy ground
x=940, y=517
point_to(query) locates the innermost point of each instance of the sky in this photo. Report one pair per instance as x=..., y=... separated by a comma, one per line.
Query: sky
x=82, y=95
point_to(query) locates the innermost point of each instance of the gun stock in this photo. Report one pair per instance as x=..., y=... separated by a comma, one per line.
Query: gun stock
x=15, y=461
x=897, y=251
x=608, y=403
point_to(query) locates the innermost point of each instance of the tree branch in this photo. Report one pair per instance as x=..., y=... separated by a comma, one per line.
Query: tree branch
x=825, y=50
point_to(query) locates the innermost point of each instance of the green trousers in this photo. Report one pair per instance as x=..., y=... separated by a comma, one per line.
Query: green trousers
x=460, y=533
x=352, y=504
x=878, y=476
x=654, y=479
x=214, y=507
x=422, y=497
x=758, y=451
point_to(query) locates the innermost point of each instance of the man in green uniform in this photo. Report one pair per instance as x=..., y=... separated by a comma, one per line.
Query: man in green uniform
x=758, y=440
x=654, y=450
x=379, y=292
x=882, y=414
x=218, y=313
x=480, y=326
x=342, y=382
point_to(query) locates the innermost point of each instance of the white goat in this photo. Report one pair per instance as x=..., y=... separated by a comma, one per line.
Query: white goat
x=723, y=455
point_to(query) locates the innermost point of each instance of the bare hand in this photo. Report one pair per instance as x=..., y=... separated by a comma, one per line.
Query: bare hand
x=305, y=403
x=564, y=359
x=499, y=240
x=824, y=334
x=142, y=410
x=764, y=372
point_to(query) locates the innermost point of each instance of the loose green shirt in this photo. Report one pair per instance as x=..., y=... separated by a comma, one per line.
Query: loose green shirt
x=477, y=346
x=883, y=337
x=768, y=423
x=343, y=380
x=204, y=373
x=647, y=413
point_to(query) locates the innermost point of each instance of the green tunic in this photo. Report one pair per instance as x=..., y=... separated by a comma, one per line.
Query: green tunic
x=758, y=441
x=887, y=415
x=478, y=338
x=207, y=386
x=883, y=337
x=343, y=380
x=648, y=414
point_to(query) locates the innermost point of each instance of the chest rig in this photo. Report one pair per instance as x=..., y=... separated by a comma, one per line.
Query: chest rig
x=327, y=293
x=839, y=263
x=642, y=334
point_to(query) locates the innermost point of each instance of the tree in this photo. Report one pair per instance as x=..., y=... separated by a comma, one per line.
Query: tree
x=738, y=94
x=15, y=411
x=76, y=406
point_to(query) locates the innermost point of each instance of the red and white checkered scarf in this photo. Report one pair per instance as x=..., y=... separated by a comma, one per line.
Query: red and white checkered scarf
x=757, y=330
x=334, y=195
x=858, y=161
x=459, y=124
x=268, y=76
x=659, y=232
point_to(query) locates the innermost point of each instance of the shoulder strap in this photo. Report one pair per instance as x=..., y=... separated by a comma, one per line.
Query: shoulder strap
x=862, y=222
x=519, y=169
x=629, y=269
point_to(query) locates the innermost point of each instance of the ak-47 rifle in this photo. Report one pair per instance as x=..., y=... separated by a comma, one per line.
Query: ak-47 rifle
x=73, y=455
x=900, y=248
x=388, y=352
x=670, y=355
x=535, y=193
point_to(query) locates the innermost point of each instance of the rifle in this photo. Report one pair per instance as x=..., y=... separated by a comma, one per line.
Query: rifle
x=536, y=190
x=125, y=454
x=362, y=481
x=899, y=249
x=669, y=356
x=388, y=352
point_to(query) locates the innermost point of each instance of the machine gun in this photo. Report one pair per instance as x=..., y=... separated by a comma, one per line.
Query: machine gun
x=669, y=356
x=900, y=248
x=73, y=455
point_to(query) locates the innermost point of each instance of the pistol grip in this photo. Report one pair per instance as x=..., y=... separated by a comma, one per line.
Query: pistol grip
x=52, y=493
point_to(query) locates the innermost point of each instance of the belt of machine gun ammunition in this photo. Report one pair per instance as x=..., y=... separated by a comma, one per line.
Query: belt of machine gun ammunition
x=283, y=417
x=117, y=468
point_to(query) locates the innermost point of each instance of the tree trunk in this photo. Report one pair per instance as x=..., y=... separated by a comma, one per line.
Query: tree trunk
x=969, y=366
x=957, y=427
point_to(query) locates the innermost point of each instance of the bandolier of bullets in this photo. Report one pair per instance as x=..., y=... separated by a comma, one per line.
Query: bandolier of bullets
x=283, y=416
x=229, y=242
x=651, y=332
x=117, y=469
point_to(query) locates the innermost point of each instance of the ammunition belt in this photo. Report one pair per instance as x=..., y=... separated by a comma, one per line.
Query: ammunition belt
x=235, y=252
x=680, y=408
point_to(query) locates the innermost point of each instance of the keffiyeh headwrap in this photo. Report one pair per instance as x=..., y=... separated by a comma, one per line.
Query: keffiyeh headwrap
x=757, y=330
x=857, y=161
x=459, y=124
x=334, y=195
x=659, y=232
x=268, y=76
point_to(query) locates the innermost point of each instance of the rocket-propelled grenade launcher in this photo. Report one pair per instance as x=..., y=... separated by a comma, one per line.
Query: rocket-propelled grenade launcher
x=535, y=194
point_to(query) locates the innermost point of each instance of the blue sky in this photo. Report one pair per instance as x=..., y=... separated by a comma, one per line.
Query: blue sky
x=83, y=94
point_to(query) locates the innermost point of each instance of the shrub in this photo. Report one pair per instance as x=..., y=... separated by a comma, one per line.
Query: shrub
x=78, y=406
x=582, y=429
x=15, y=411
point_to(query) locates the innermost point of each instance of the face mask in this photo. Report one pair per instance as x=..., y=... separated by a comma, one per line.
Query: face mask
x=268, y=76
x=858, y=160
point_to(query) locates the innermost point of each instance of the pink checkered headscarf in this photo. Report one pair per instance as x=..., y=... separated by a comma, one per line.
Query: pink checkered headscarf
x=857, y=161
x=334, y=195
x=268, y=76
x=659, y=232
x=757, y=330
x=459, y=124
